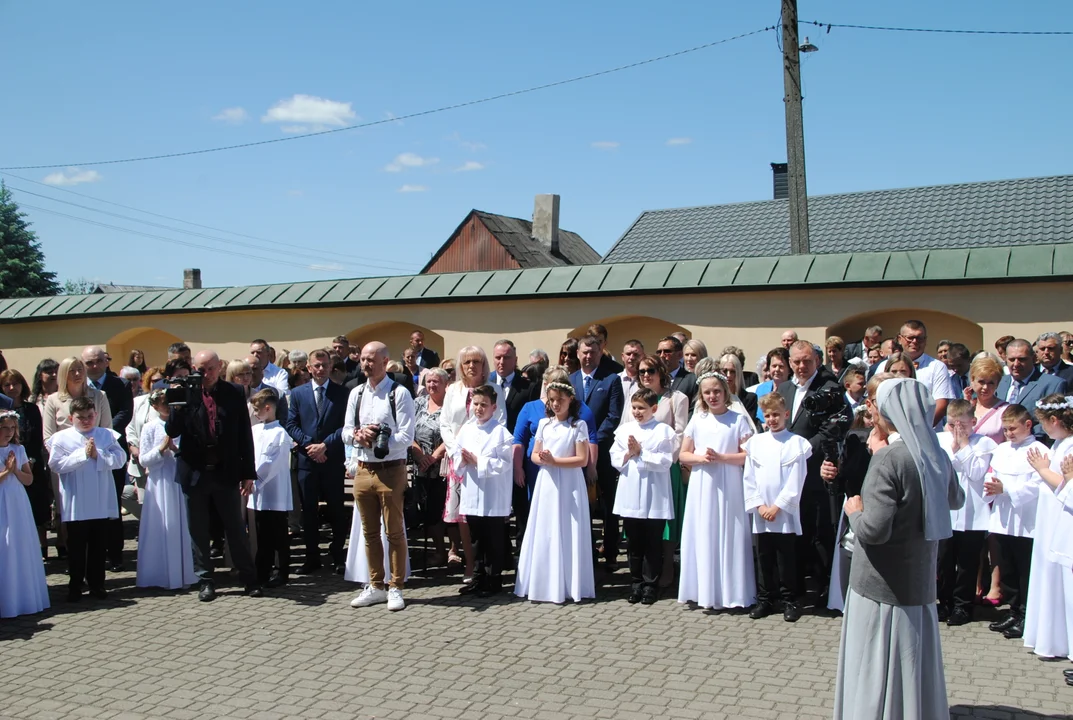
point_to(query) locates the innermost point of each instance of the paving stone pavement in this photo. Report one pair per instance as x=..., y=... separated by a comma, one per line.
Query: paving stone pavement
x=303, y=652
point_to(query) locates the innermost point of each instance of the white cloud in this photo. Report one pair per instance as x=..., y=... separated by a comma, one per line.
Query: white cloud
x=327, y=267
x=412, y=188
x=321, y=113
x=470, y=166
x=295, y=129
x=409, y=160
x=605, y=145
x=679, y=141
x=232, y=116
x=72, y=176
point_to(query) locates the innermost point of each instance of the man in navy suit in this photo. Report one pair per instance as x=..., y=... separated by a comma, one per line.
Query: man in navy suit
x=1049, y=354
x=1026, y=384
x=425, y=357
x=601, y=390
x=315, y=421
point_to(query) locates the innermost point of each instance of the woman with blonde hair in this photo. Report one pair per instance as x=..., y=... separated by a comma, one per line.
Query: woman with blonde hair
x=693, y=351
x=836, y=356
x=56, y=415
x=741, y=400
x=900, y=365
x=473, y=372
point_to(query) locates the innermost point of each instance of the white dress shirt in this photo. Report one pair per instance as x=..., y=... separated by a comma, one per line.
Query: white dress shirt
x=799, y=396
x=503, y=383
x=629, y=387
x=276, y=378
x=936, y=376
x=376, y=408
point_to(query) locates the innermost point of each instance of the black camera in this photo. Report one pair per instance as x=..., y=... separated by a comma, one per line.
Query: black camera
x=380, y=444
x=827, y=409
x=184, y=391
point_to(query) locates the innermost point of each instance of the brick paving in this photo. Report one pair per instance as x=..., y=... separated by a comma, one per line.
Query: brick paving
x=303, y=652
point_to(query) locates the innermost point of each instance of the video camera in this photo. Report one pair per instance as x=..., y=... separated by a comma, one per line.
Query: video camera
x=184, y=391
x=828, y=410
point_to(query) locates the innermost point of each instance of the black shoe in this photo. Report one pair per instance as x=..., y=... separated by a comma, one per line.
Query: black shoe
x=216, y=552
x=1004, y=624
x=943, y=612
x=958, y=617
x=762, y=610
x=276, y=580
x=99, y=593
x=470, y=587
x=611, y=566
x=74, y=595
x=1069, y=680
x=308, y=568
x=116, y=567
x=649, y=597
x=1016, y=630
x=61, y=553
x=207, y=592
x=254, y=591
x=490, y=590
x=1068, y=673
x=791, y=612
x=340, y=569
x=635, y=596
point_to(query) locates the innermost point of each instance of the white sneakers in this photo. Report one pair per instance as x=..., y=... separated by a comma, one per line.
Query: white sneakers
x=372, y=596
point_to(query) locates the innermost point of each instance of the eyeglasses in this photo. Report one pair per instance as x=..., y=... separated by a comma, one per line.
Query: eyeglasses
x=914, y=338
x=665, y=351
x=1068, y=343
x=647, y=371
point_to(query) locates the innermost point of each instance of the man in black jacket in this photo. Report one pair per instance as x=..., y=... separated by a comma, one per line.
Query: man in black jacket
x=216, y=469
x=121, y=403
x=816, y=542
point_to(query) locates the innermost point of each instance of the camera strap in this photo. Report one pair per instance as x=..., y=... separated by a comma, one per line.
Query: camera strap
x=390, y=401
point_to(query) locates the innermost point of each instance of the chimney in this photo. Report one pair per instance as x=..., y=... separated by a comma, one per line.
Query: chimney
x=546, y=222
x=779, y=181
x=191, y=279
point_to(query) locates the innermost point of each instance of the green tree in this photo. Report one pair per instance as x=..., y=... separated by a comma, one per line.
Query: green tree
x=81, y=286
x=22, y=264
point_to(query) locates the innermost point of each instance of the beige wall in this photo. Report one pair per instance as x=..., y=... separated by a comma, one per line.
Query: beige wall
x=751, y=320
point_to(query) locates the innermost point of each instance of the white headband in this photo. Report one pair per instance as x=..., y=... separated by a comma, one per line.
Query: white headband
x=1066, y=404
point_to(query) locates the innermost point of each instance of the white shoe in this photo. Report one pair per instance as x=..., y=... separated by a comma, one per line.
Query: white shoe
x=394, y=599
x=370, y=596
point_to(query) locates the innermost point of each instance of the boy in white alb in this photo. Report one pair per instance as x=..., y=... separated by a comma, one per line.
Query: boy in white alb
x=643, y=453
x=271, y=496
x=959, y=555
x=84, y=457
x=775, y=469
x=484, y=452
x=1013, y=486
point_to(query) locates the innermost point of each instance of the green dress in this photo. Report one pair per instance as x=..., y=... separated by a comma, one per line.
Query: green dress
x=673, y=529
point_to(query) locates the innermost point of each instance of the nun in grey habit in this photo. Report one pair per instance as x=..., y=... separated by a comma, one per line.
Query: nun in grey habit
x=890, y=662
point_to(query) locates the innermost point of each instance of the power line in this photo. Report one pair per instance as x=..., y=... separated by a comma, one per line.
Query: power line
x=175, y=241
x=410, y=116
x=332, y=257
x=289, y=246
x=935, y=30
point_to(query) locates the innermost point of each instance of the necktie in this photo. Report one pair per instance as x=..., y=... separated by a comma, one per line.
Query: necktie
x=587, y=385
x=1015, y=390
x=318, y=396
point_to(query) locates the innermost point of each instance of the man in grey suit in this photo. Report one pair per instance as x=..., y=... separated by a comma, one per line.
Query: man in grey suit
x=1049, y=354
x=1026, y=384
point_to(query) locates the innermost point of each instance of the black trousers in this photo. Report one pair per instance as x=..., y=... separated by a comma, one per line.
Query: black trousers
x=488, y=535
x=273, y=537
x=115, y=527
x=607, y=480
x=959, y=563
x=1015, y=562
x=776, y=558
x=215, y=492
x=644, y=548
x=325, y=484
x=519, y=502
x=815, y=544
x=86, y=543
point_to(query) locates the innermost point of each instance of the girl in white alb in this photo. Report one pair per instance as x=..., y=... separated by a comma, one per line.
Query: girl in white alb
x=23, y=588
x=165, y=558
x=556, y=557
x=717, y=549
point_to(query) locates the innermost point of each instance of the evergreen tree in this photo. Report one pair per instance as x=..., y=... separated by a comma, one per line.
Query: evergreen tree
x=22, y=264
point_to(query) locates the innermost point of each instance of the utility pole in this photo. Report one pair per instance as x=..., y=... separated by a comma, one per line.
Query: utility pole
x=795, y=130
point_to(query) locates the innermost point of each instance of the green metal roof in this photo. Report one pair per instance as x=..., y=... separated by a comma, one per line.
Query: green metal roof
x=972, y=265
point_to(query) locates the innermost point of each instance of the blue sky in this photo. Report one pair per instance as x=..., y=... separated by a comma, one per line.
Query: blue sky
x=96, y=81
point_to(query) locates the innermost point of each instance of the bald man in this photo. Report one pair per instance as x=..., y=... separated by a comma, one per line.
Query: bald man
x=121, y=403
x=215, y=469
x=789, y=338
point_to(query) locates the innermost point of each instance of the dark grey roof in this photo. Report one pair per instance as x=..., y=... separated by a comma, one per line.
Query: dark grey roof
x=1030, y=211
x=113, y=288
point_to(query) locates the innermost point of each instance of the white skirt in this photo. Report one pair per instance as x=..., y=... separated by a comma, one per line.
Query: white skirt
x=890, y=662
x=23, y=588
x=556, y=558
x=357, y=560
x=165, y=557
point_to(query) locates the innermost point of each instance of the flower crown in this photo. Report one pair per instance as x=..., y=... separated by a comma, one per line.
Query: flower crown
x=710, y=375
x=860, y=409
x=1064, y=405
x=5, y=414
x=561, y=386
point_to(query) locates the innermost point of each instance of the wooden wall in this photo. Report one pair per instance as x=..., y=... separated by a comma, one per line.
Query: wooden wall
x=473, y=248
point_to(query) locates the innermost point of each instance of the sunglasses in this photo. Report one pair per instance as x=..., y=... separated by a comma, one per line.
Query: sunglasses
x=647, y=371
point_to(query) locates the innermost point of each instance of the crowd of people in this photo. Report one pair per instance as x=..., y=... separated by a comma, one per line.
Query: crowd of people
x=866, y=477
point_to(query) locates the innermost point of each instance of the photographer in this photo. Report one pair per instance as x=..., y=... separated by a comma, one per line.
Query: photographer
x=810, y=380
x=380, y=426
x=215, y=465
